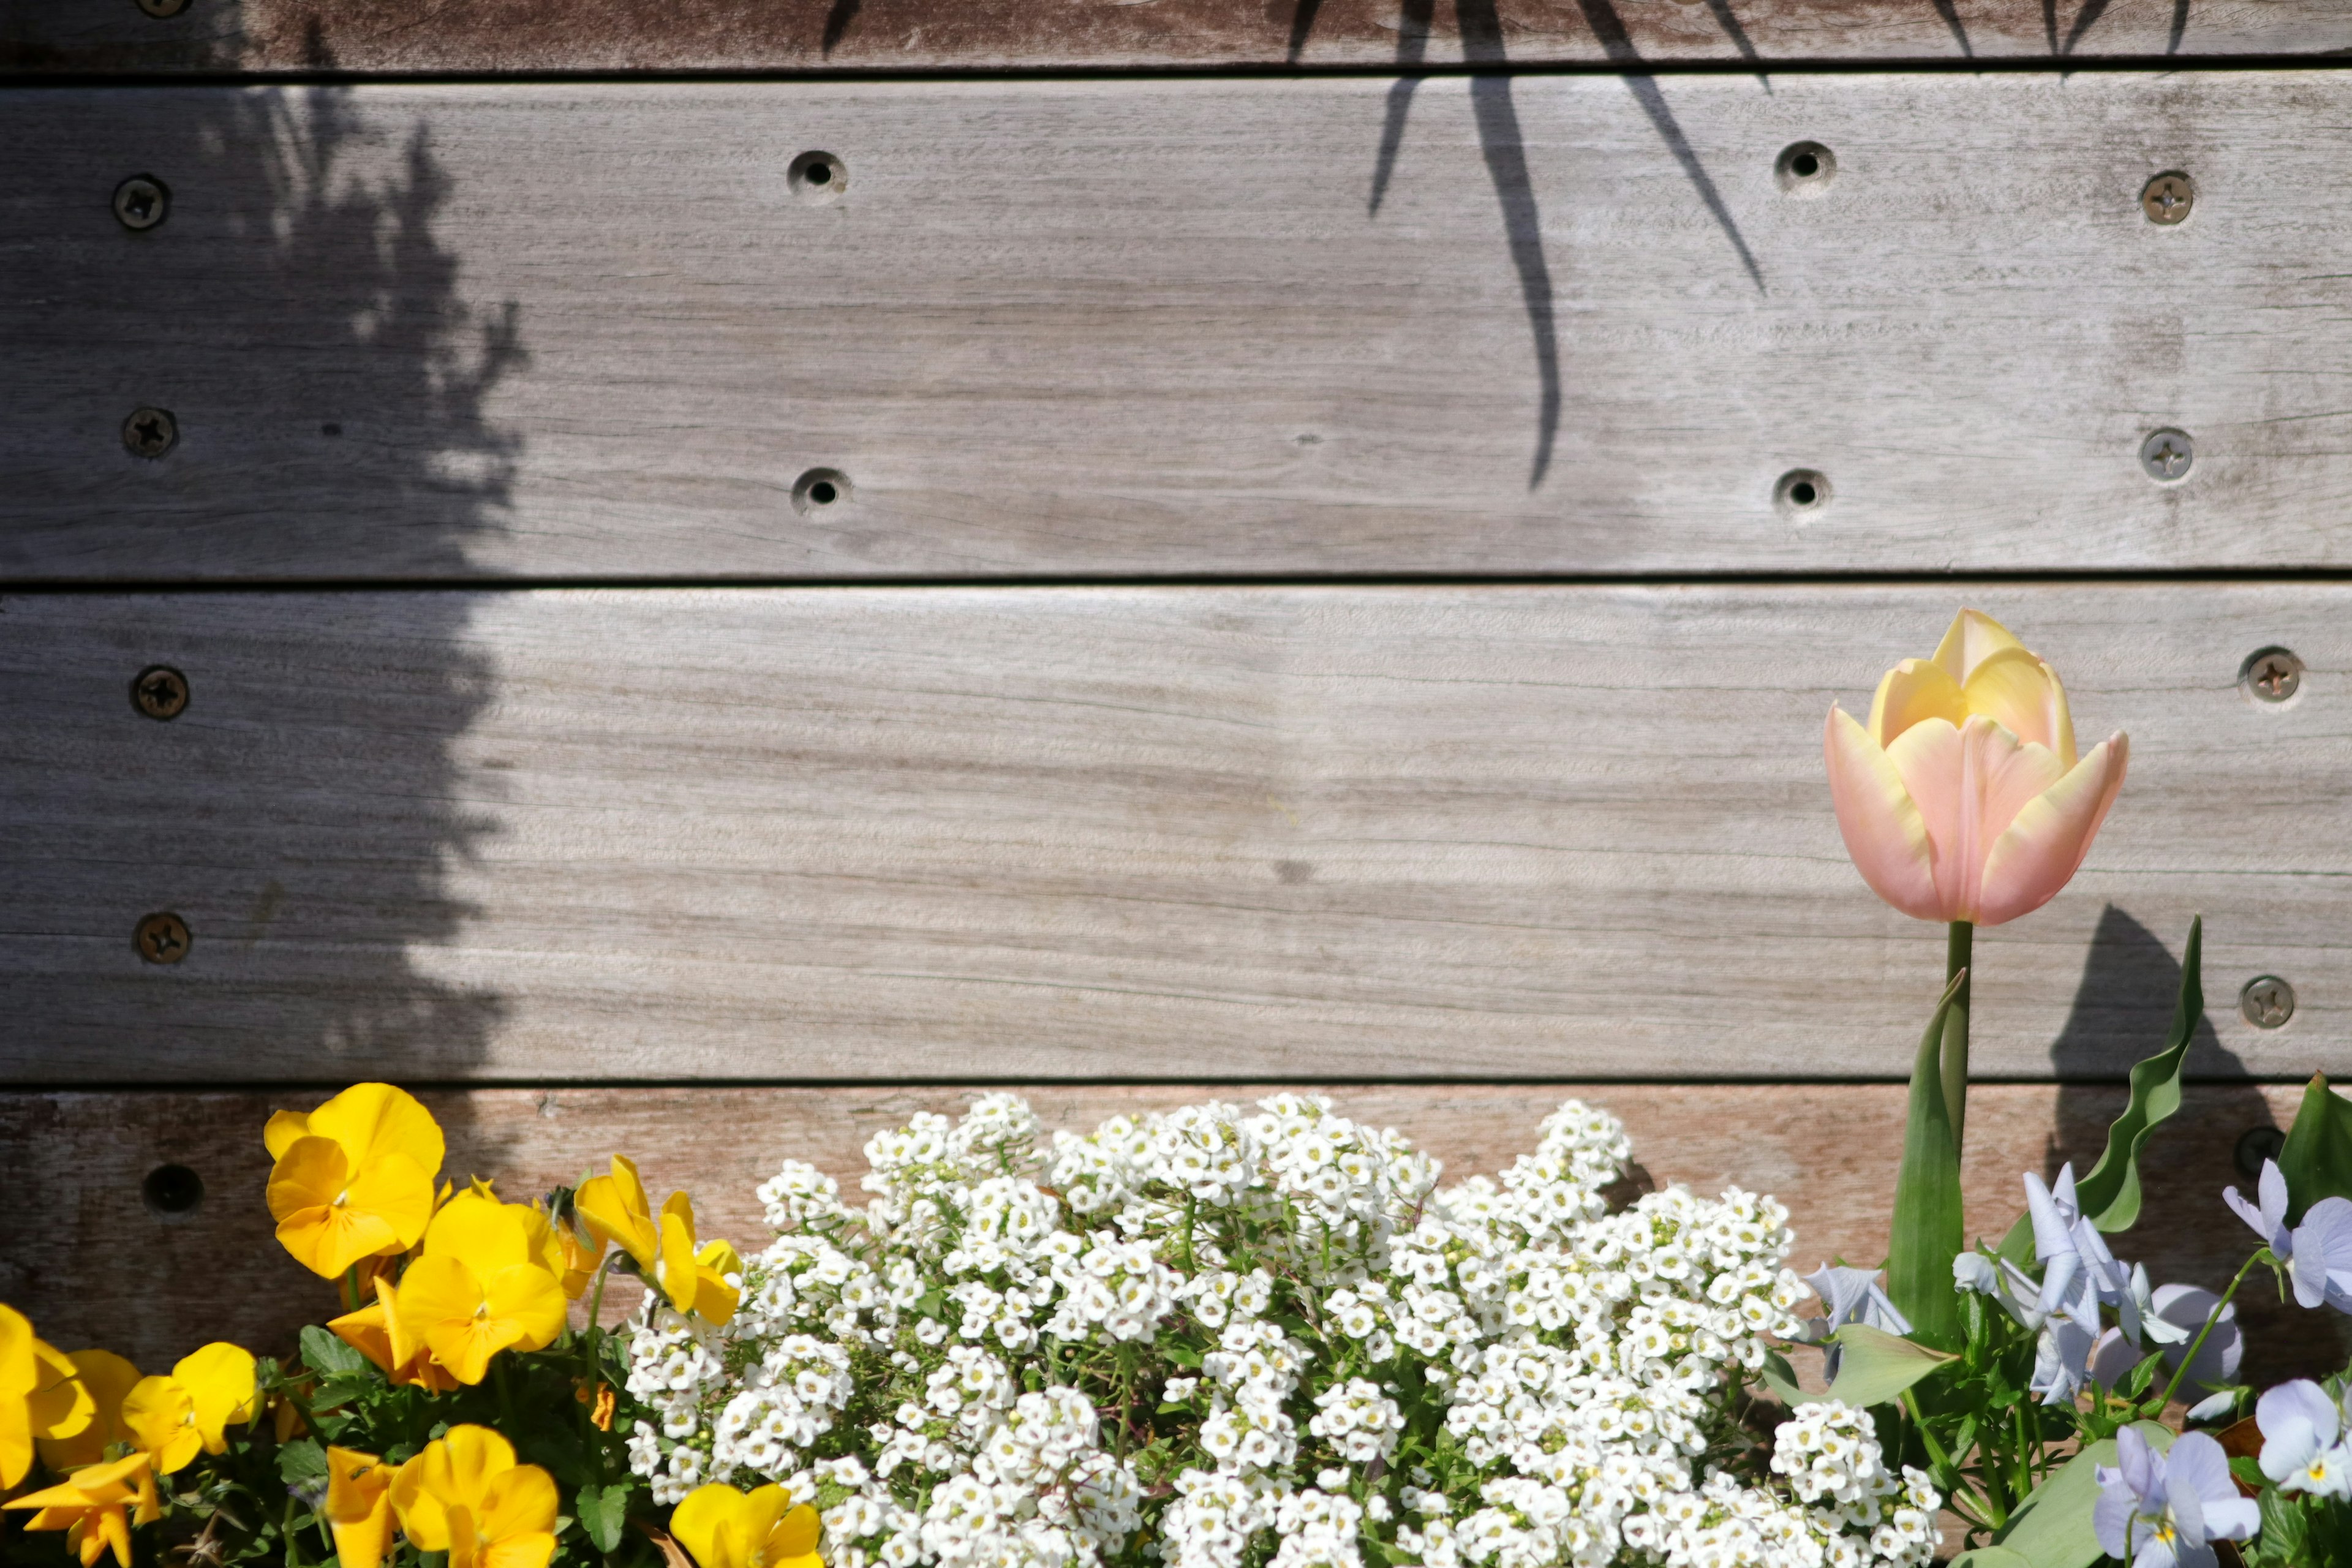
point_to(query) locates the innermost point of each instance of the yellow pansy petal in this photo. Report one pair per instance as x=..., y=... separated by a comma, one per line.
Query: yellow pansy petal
x=358, y=1507
x=520, y=1501
x=699, y=1521
x=423, y=1518
x=678, y=1279
x=220, y=1380
x=307, y=1196
x=1973, y=638
x=615, y=1208
x=109, y=1379
x=161, y=1418
x=59, y=1404
x=441, y=1302
x=795, y=1534
x=373, y=1119
x=2017, y=691
x=529, y=1298
x=480, y=1230
x=1913, y=691
x=285, y=1126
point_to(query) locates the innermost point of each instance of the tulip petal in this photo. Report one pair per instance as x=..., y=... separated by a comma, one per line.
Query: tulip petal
x=1881, y=823
x=1915, y=689
x=373, y=1119
x=2038, y=853
x=1969, y=784
x=1972, y=638
x=2013, y=688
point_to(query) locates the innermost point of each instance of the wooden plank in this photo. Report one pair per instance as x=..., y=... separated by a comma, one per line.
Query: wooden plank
x=1088, y=834
x=1193, y=327
x=1827, y=1151
x=295, y=37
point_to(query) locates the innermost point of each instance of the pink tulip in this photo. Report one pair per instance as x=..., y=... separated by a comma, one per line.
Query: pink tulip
x=1963, y=801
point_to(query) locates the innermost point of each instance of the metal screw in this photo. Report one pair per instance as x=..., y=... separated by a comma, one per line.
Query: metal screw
x=162, y=938
x=2270, y=674
x=141, y=202
x=160, y=691
x=2167, y=198
x=2267, y=1000
x=150, y=432
x=2167, y=454
x=162, y=8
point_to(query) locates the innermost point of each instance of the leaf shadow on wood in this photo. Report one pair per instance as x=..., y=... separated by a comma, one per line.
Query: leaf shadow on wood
x=314, y=340
x=2123, y=1006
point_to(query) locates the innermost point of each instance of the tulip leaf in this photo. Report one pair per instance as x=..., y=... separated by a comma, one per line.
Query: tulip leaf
x=2317, y=1159
x=1991, y=1557
x=1929, y=1230
x=2110, y=1195
x=1778, y=1375
x=2052, y=1527
x=1873, y=1365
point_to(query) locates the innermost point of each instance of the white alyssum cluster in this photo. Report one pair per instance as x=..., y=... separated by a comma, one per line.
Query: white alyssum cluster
x=1222, y=1337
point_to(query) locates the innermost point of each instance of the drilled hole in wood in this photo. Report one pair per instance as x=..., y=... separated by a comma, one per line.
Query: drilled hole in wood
x=172, y=1191
x=1803, y=168
x=1801, y=492
x=820, y=489
x=817, y=176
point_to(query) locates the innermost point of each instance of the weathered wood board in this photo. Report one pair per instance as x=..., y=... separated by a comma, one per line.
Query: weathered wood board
x=1828, y=1151
x=1475, y=325
x=302, y=36
x=872, y=834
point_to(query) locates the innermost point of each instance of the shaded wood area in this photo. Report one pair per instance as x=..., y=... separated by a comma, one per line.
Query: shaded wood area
x=1829, y=1151
x=1446, y=325
x=1180, y=833
x=297, y=37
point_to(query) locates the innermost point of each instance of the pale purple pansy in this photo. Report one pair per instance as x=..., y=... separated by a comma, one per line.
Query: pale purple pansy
x=2156, y=1511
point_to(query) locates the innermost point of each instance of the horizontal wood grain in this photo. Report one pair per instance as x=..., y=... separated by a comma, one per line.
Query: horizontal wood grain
x=1489, y=325
x=1828, y=1151
x=300, y=36
x=1143, y=832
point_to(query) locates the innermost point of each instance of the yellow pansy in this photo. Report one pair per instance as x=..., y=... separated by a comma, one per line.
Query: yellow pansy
x=374, y=1331
x=465, y=1495
x=691, y=1276
x=571, y=1258
x=723, y=1528
x=477, y=1290
x=40, y=1397
x=358, y=1507
x=174, y=1418
x=97, y=1507
x=110, y=1380
x=353, y=1178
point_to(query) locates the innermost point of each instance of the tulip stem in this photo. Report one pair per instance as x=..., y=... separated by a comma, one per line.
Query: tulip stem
x=1958, y=944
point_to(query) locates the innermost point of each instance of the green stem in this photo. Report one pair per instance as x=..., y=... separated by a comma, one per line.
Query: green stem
x=2188, y=1359
x=1958, y=942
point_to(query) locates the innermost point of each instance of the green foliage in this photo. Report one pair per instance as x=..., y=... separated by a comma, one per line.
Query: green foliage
x=2110, y=1195
x=1928, y=1228
x=1875, y=1366
x=2317, y=1159
x=2051, y=1529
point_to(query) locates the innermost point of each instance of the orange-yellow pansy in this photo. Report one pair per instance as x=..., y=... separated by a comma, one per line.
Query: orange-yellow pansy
x=358, y=1507
x=477, y=1290
x=374, y=1331
x=1964, y=799
x=723, y=1528
x=174, y=1418
x=97, y=1507
x=465, y=1495
x=353, y=1178
x=691, y=1275
x=567, y=1255
x=39, y=1395
x=110, y=1380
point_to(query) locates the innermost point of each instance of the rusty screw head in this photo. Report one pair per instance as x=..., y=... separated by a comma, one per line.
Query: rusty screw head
x=162, y=8
x=2266, y=1001
x=2167, y=198
x=2167, y=454
x=159, y=692
x=150, y=432
x=141, y=202
x=162, y=938
x=2271, y=674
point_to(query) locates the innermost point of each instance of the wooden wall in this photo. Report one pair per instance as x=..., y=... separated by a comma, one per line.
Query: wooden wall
x=1221, y=546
